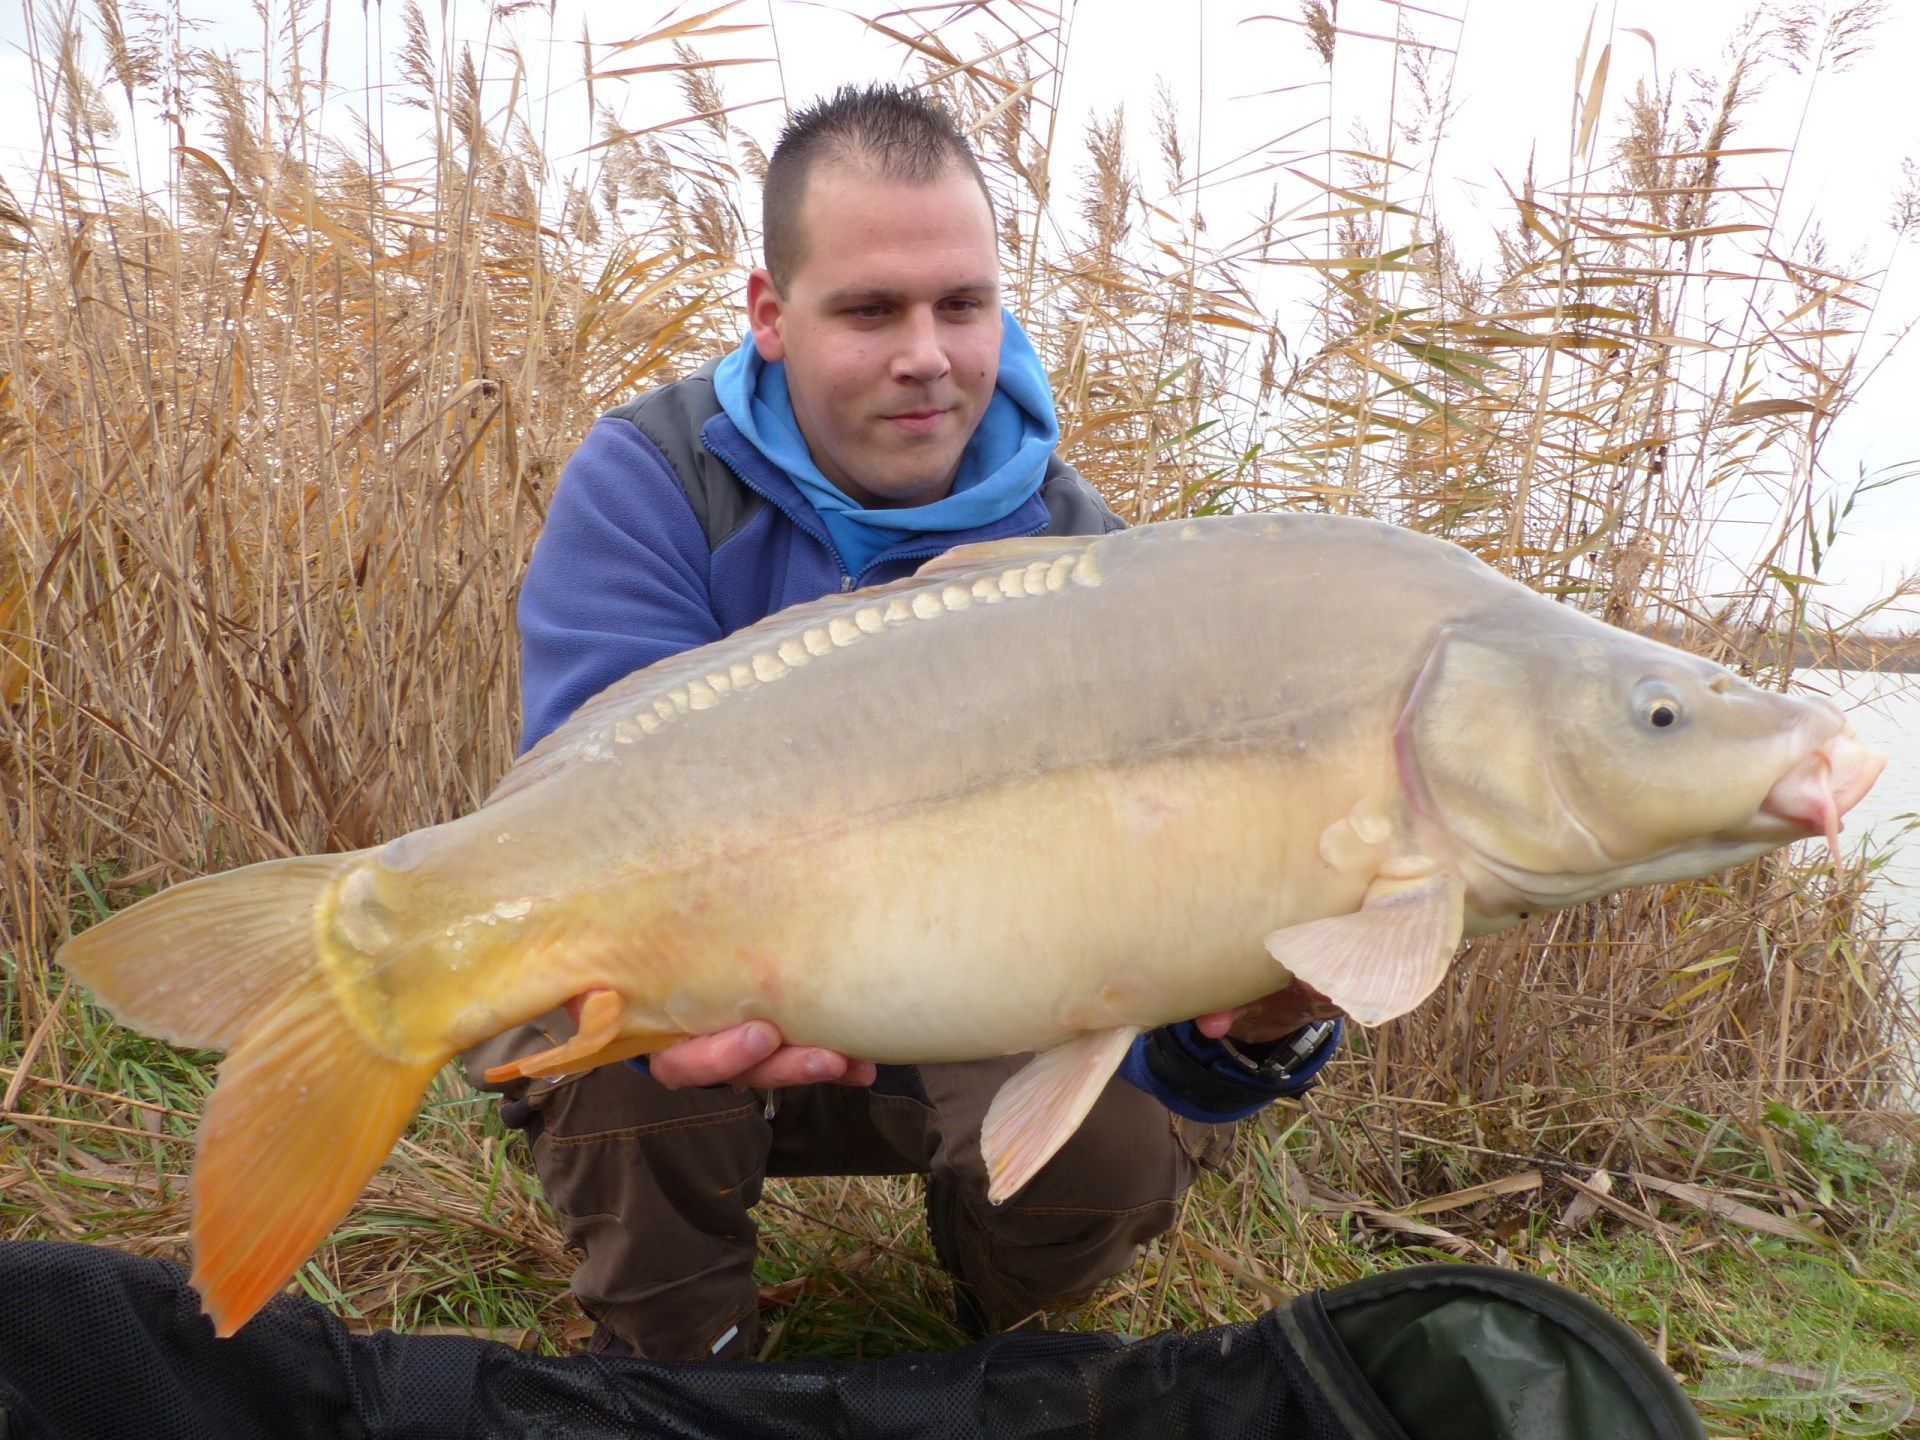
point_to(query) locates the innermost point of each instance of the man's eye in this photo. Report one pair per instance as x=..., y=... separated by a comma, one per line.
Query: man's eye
x=964, y=306
x=866, y=312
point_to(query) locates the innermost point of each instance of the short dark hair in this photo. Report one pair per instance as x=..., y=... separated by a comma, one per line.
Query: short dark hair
x=904, y=136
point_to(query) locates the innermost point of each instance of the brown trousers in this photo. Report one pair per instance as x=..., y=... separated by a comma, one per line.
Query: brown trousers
x=656, y=1187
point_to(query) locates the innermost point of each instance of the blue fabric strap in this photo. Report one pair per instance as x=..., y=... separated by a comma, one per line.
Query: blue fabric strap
x=1193, y=1076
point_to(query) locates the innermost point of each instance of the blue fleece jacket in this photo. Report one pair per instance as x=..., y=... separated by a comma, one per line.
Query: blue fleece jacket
x=622, y=576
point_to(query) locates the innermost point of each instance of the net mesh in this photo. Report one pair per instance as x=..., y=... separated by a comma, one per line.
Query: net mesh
x=94, y=1342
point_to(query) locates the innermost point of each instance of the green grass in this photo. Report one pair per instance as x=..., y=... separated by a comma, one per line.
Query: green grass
x=1628, y=1035
x=1772, y=1337
x=1774, y=1340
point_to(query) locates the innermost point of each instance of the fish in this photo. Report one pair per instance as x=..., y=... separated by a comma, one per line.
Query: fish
x=1043, y=795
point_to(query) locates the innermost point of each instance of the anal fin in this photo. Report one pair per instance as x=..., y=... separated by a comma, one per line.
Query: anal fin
x=1387, y=956
x=1037, y=1111
x=597, y=1042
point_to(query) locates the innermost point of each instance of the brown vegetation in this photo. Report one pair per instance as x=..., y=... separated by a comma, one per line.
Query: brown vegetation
x=274, y=444
x=1856, y=651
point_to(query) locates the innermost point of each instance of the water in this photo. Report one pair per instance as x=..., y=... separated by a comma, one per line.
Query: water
x=1885, y=709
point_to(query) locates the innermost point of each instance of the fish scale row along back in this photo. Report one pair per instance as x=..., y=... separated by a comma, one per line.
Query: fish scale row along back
x=841, y=631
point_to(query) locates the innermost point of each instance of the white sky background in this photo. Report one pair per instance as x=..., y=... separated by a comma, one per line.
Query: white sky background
x=1513, y=86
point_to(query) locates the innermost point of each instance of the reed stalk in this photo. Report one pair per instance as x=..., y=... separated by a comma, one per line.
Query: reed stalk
x=279, y=424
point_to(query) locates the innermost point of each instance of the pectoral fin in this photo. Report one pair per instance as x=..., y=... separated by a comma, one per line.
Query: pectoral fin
x=598, y=1041
x=1388, y=955
x=1037, y=1111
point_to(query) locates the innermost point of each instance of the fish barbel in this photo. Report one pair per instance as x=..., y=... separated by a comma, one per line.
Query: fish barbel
x=1041, y=796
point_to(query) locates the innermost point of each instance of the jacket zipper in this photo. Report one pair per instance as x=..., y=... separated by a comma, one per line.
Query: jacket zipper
x=793, y=519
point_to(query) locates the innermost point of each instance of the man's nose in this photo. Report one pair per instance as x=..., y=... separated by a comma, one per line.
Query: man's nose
x=921, y=356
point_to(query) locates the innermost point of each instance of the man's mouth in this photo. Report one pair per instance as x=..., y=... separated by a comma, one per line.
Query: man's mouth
x=916, y=422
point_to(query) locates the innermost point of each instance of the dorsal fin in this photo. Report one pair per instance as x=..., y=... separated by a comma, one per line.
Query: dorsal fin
x=624, y=697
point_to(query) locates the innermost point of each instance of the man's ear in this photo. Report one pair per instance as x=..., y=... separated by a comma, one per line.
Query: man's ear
x=764, y=311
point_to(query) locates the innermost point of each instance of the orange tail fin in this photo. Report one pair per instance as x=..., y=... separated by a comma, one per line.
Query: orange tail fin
x=306, y=1108
x=304, y=1113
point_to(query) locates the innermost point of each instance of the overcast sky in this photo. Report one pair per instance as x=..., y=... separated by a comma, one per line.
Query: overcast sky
x=1513, y=78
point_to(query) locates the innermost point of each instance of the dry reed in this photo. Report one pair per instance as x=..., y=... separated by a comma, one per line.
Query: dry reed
x=275, y=443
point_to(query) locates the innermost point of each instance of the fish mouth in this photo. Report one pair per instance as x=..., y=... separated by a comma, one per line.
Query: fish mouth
x=1824, y=785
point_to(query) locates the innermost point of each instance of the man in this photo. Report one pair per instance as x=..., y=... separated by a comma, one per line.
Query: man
x=882, y=409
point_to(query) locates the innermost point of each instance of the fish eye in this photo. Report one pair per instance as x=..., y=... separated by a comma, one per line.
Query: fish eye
x=1656, y=705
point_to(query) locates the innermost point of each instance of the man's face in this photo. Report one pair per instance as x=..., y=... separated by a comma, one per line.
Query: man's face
x=890, y=329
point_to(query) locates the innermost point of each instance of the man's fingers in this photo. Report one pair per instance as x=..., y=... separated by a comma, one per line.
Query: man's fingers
x=715, y=1059
x=1271, y=1017
x=794, y=1065
x=1215, y=1025
x=751, y=1057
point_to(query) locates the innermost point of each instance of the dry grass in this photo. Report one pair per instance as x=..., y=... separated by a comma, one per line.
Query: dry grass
x=275, y=442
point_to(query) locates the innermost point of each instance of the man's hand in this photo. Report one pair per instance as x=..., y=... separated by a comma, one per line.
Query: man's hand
x=1280, y=1013
x=753, y=1056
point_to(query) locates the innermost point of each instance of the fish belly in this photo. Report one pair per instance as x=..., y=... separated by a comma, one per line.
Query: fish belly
x=1007, y=920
